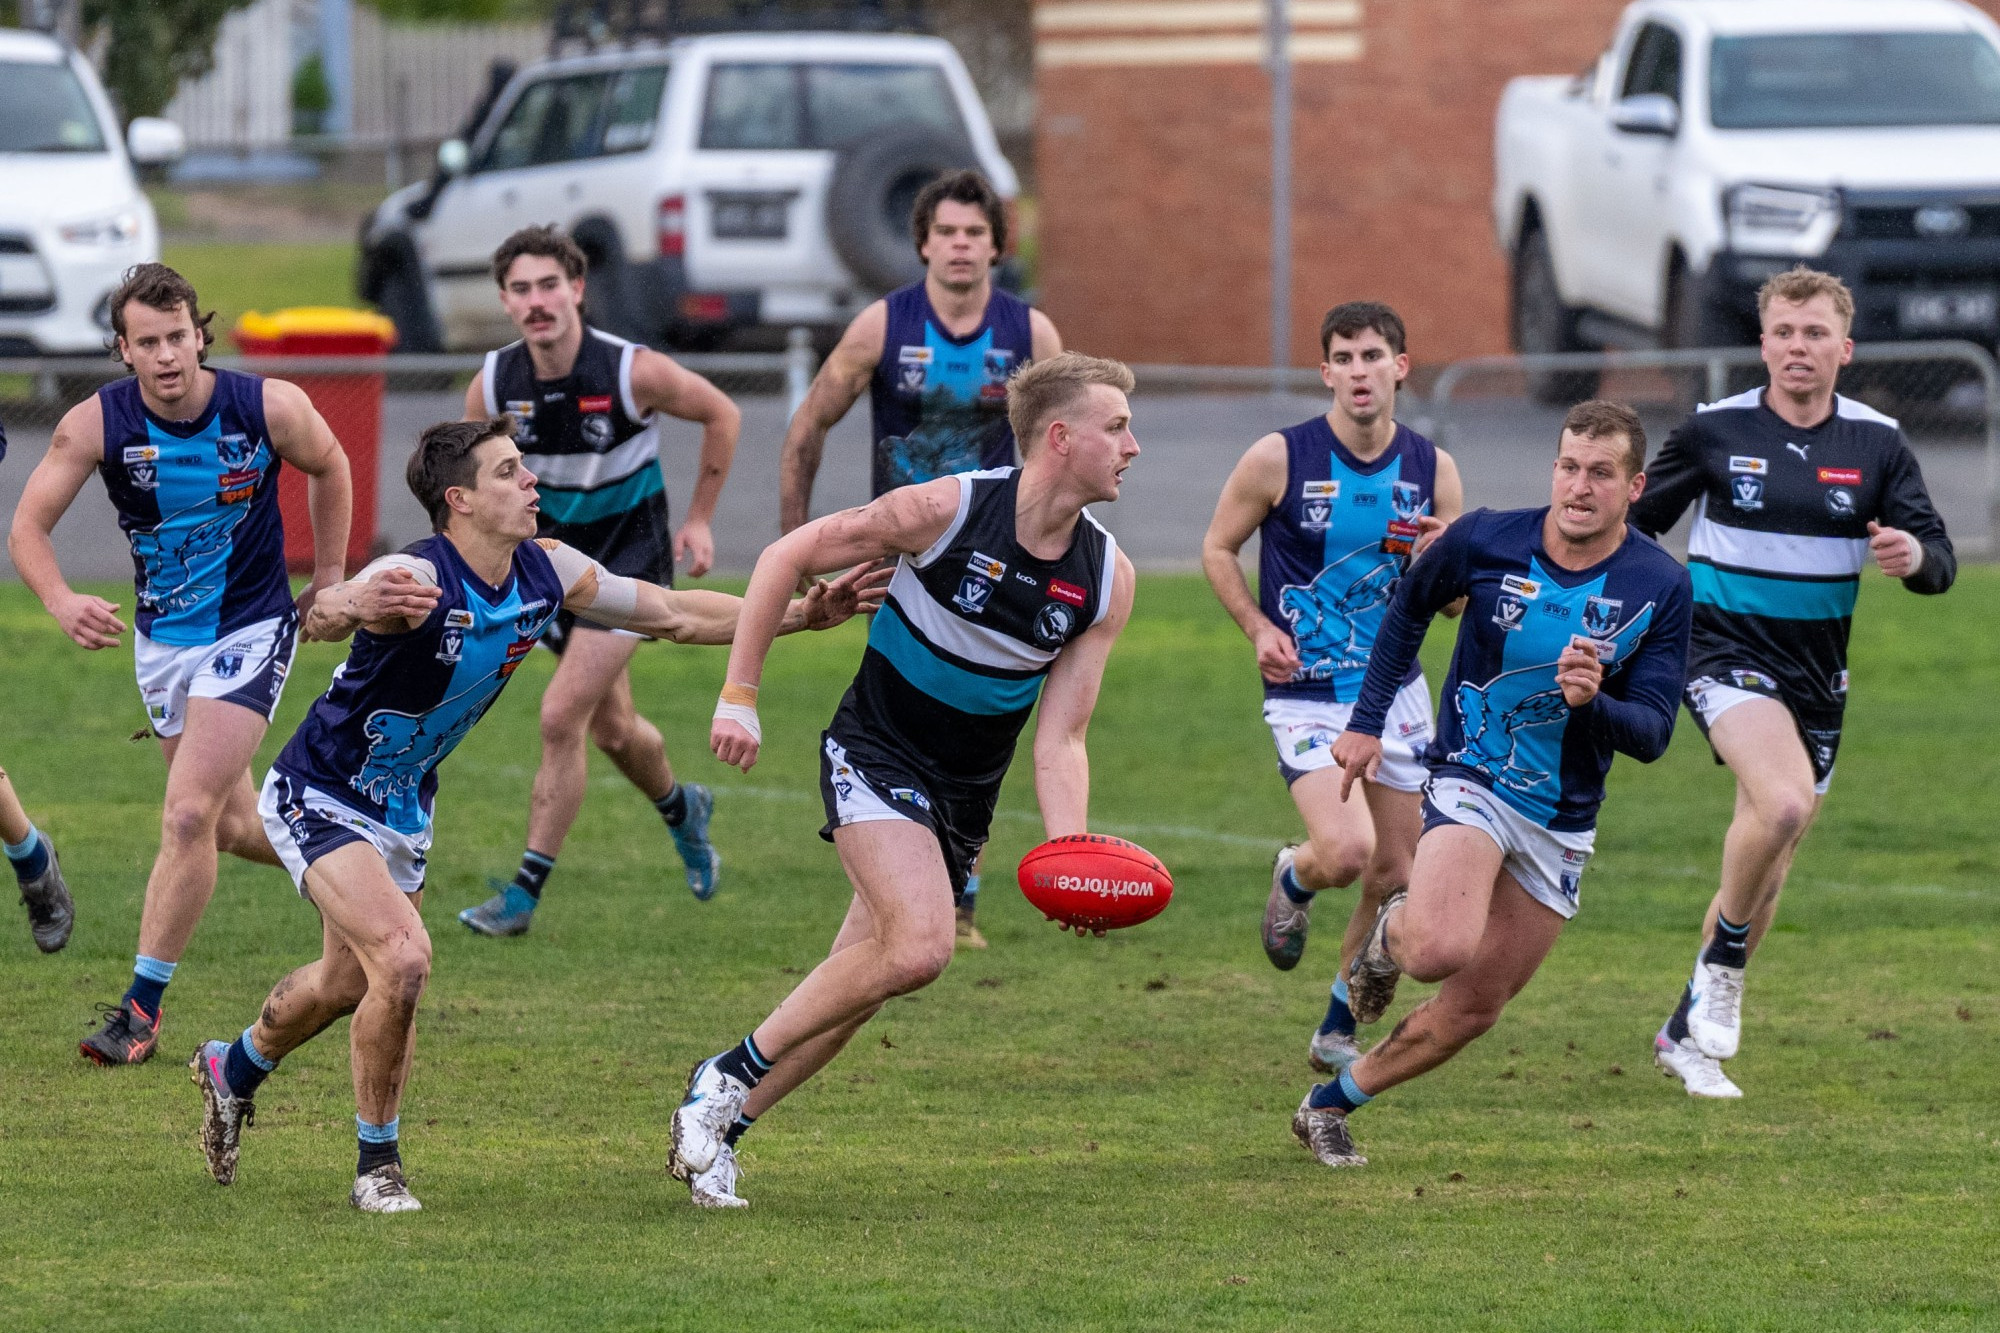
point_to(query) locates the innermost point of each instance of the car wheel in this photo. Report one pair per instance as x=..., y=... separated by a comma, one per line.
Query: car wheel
x=403, y=299
x=873, y=192
x=1692, y=321
x=1542, y=323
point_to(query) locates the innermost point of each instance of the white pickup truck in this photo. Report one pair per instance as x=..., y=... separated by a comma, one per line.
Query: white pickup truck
x=1716, y=142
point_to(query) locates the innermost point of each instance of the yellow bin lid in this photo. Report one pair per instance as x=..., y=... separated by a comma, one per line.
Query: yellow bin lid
x=311, y=319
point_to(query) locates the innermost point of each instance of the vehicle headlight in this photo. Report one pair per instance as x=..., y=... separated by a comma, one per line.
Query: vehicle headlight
x=113, y=229
x=1767, y=219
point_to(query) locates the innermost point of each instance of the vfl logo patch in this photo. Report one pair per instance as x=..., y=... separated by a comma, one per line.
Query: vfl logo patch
x=972, y=595
x=912, y=369
x=1747, y=493
x=145, y=476
x=1509, y=611
x=451, y=645
x=1520, y=587
x=1756, y=467
x=1841, y=476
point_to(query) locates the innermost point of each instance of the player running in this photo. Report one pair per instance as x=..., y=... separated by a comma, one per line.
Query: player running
x=1795, y=488
x=1573, y=647
x=1003, y=579
x=586, y=409
x=935, y=358
x=1337, y=502
x=190, y=459
x=441, y=628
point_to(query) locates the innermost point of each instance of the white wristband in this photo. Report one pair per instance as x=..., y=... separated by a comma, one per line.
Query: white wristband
x=743, y=716
x=1916, y=554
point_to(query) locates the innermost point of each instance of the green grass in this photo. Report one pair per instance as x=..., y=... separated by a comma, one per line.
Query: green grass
x=1057, y=1134
x=233, y=278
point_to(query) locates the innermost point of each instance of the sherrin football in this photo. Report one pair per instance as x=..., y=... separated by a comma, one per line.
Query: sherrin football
x=1094, y=881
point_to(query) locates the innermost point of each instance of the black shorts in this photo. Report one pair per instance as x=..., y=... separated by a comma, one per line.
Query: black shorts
x=859, y=784
x=1708, y=697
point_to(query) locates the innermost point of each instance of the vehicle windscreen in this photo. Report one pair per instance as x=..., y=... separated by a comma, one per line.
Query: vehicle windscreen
x=43, y=109
x=768, y=105
x=1847, y=80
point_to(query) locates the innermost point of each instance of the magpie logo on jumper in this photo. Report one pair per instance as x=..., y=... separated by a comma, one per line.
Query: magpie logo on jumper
x=1840, y=502
x=1528, y=589
x=1509, y=611
x=1747, y=493
x=597, y=430
x=1052, y=625
x=1756, y=467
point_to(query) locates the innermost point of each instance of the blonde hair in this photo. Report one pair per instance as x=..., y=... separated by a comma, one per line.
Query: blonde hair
x=1799, y=284
x=1042, y=391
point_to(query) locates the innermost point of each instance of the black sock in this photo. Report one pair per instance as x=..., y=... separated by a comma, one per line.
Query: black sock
x=1731, y=945
x=737, y=1130
x=534, y=873
x=744, y=1063
x=378, y=1146
x=673, y=807
x=1677, y=1026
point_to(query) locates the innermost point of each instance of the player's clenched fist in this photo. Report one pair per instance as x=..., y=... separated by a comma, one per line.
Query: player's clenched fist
x=736, y=735
x=1579, y=672
x=1277, y=655
x=1897, y=552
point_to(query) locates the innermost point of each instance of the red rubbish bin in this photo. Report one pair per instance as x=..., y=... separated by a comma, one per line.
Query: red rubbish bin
x=351, y=405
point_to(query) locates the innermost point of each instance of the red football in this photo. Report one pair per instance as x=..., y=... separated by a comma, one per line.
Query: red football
x=1095, y=882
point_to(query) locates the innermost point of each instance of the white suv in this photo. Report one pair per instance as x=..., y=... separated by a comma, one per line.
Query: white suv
x=72, y=216
x=716, y=183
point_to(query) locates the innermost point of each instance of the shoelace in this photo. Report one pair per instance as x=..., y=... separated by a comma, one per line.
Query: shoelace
x=1723, y=994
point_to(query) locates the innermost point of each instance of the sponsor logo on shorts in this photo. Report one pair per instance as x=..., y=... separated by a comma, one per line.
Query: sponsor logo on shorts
x=1754, y=681
x=910, y=796
x=1840, y=681
x=597, y=403
x=460, y=619
x=1840, y=476
x=1840, y=502
x=1747, y=493
x=1509, y=612
x=1308, y=743
x=1408, y=729
x=1053, y=624
x=1067, y=592
x=1520, y=587
x=596, y=430
x=1755, y=467
x=229, y=661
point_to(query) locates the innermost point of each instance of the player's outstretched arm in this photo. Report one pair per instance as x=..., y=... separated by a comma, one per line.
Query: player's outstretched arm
x=1255, y=485
x=906, y=521
x=697, y=615
x=839, y=384
x=52, y=487
x=1069, y=696
x=393, y=595
x=662, y=384
x=302, y=438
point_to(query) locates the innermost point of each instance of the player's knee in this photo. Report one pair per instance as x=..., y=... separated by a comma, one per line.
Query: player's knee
x=404, y=972
x=612, y=734
x=1339, y=862
x=190, y=819
x=916, y=963
x=562, y=725
x=1433, y=959
x=1787, y=814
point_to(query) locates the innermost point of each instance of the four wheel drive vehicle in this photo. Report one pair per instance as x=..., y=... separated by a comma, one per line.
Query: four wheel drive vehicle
x=1718, y=142
x=716, y=183
x=72, y=216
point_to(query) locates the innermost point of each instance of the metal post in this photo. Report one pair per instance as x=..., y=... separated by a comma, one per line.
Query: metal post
x=800, y=366
x=1278, y=34
x=1718, y=380
x=336, y=58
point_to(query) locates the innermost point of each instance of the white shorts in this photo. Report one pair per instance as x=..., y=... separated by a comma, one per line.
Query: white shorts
x=304, y=824
x=247, y=667
x=1304, y=731
x=1548, y=864
x=1708, y=699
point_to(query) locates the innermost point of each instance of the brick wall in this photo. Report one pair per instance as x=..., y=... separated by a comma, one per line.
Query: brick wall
x=1155, y=175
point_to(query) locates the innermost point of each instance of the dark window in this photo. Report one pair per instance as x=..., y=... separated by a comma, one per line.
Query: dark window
x=1841, y=80
x=770, y=106
x=1656, y=64
x=753, y=106
x=43, y=109
x=633, y=109
x=576, y=117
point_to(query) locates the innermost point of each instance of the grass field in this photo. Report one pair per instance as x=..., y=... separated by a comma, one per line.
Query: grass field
x=233, y=278
x=1058, y=1134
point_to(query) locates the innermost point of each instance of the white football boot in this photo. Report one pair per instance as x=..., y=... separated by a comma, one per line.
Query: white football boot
x=1700, y=1074
x=711, y=1106
x=1331, y=1052
x=1715, y=1019
x=716, y=1187
x=384, y=1190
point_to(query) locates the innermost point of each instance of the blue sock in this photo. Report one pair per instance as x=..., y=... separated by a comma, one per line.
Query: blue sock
x=533, y=874
x=245, y=1067
x=1339, y=1018
x=744, y=1063
x=1731, y=945
x=1294, y=890
x=30, y=855
x=1677, y=1022
x=149, y=983
x=1343, y=1094
x=378, y=1145
x=737, y=1130
x=969, y=900
x=673, y=807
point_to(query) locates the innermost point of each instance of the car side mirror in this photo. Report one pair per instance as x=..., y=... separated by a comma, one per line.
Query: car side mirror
x=1647, y=113
x=152, y=142
x=454, y=157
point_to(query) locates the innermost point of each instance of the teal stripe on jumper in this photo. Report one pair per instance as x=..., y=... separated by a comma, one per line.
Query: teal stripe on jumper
x=569, y=507
x=1779, y=599
x=948, y=683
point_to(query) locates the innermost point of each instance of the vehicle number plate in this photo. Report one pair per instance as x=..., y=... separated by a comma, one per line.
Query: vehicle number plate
x=750, y=217
x=1974, y=309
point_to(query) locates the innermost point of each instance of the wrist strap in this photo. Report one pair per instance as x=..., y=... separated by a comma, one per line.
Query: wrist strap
x=743, y=715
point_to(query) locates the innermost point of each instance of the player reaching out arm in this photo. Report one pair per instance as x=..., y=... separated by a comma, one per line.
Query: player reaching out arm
x=439, y=630
x=1005, y=588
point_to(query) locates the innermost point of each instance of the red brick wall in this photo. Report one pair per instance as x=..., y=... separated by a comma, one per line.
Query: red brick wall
x=1155, y=185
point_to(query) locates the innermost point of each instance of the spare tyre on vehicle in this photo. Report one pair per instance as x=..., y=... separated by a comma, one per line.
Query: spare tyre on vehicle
x=874, y=189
